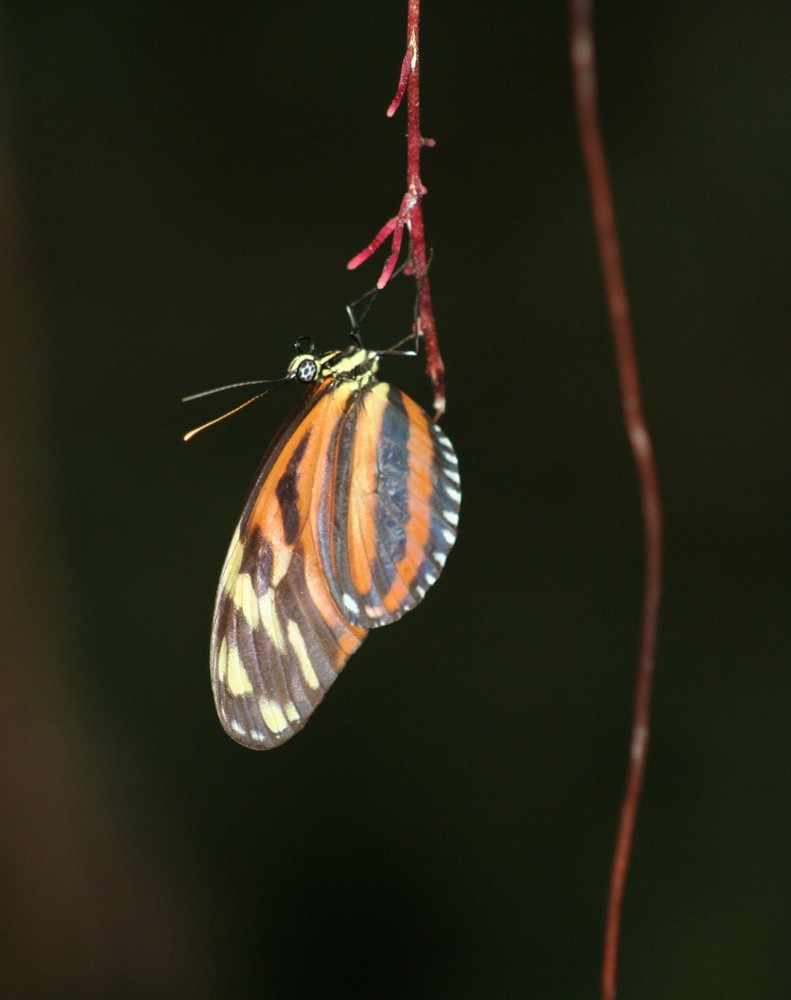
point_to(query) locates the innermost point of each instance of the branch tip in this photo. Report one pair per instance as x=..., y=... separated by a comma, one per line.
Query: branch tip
x=403, y=78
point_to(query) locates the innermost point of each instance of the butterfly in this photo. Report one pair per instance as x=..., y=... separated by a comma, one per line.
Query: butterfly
x=349, y=522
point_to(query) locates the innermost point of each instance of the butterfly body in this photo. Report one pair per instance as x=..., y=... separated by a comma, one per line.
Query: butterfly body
x=349, y=522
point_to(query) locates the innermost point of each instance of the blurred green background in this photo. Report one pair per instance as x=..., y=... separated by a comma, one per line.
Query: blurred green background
x=181, y=187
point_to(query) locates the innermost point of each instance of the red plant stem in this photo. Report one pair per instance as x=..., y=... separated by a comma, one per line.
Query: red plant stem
x=584, y=77
x=386, y=230
x=415, y=142
x=410, y=213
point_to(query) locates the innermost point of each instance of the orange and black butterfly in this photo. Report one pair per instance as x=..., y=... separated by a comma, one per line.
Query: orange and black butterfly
x=349, y=522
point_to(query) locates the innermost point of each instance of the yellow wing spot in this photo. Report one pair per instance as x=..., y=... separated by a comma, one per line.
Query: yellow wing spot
x=237, y=679
x=292, y=712
x=269, y=619
x=297, y=641
x=246, y=599
x=233, y=563
x=273, y=716
x=281, y=562
x=222, y=660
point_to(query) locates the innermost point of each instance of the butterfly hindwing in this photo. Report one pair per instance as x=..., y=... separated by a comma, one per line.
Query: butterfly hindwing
x=394, y=515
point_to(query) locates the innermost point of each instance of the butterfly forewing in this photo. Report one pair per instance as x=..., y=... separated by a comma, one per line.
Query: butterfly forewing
x=349, y=522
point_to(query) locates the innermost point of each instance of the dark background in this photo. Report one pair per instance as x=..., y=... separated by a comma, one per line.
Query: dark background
x=182, y=185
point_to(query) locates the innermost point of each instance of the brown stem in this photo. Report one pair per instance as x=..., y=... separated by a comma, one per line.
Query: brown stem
x=584, y=77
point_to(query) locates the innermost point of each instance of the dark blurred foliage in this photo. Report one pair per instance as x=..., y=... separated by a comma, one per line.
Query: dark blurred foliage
x=182, y=185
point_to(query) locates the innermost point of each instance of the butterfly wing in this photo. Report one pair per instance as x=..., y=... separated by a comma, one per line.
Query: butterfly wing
x=349, y=522
x=278, y=638
x=393, y=515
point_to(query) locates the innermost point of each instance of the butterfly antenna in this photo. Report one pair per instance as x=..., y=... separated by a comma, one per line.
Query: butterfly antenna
x=237, y=385
x=210, y=423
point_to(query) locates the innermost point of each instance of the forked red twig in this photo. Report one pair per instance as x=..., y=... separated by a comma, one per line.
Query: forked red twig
x=410, y=211
x=583, y=62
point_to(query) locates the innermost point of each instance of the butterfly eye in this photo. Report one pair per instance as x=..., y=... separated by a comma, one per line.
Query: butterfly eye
x=307, y=370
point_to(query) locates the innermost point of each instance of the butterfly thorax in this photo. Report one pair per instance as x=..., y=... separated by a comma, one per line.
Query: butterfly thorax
x=354, y=364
